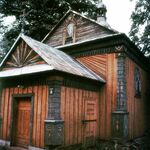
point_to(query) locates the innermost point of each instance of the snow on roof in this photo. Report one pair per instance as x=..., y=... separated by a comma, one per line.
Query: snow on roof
x=55, y=59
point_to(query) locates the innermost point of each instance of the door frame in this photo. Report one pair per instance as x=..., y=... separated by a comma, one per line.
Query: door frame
x=86, y=121
x=14, y=100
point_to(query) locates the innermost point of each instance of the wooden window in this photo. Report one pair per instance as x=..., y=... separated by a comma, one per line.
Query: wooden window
x=137, y=82
x=69, y=31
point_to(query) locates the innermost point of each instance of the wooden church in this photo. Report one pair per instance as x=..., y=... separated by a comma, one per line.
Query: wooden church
x=83, y=82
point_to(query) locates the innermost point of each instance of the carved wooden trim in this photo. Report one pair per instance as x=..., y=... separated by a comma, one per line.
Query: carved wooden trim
x=120, y=124
x=54, y=133
x=120, y=116
x=22, y=56
x=121, y=83
x=97, y=51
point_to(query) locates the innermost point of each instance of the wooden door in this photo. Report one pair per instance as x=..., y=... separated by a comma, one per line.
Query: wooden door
x=90, y=121
x=22, y=119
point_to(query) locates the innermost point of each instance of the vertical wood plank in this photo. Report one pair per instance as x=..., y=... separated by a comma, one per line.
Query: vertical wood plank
x=25, y=91
x=43, y=102
x=35, y=89
x=46, y=104
x=75, y=112
x=38, y=121
x=109, y=96
x=9, y=112
x=2, y=111
x=67, y=131
x=63, y=109
x=135, y=105
x=71, y=116
x=29, y=89
x=5, y=119
x=80, y=117
x=16, y=90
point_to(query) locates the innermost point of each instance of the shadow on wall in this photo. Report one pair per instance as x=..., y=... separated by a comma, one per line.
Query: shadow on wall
x=148, y=109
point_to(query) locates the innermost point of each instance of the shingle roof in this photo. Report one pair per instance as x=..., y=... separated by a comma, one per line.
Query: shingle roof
x=55, y=59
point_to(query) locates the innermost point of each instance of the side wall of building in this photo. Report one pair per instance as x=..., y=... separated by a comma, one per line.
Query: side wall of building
x=106, y=66
x=40, y=103
x=136, y=106
x=80, y=112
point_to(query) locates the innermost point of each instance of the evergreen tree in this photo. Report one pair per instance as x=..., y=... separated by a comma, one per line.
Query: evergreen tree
x=39, y=16
x=140, y=29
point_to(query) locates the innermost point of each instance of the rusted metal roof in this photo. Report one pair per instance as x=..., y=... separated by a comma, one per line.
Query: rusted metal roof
x=55, y=59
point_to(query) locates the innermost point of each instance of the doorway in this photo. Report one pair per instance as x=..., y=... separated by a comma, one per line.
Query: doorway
x=21, y=121
x=90, y=121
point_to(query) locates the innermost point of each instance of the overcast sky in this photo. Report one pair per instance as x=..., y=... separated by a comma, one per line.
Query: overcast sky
x=118, y=14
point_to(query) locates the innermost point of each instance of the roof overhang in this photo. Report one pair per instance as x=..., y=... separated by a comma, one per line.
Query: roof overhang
x=109, y=41
x=39, y=69
x=25, y=70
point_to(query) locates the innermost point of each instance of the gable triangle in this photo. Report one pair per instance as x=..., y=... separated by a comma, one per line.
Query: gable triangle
x=84, y=26
x=21, y=55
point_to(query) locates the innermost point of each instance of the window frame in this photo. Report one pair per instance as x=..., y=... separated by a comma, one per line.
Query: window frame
x=66, y=38
x=137, y=82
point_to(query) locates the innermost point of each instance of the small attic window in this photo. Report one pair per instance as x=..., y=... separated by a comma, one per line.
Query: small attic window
x=137, y=82
x=69, y=31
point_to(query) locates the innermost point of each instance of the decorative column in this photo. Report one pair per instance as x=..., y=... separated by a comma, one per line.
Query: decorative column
x=121, y=85
x=120, y=116
x=0, y=108
x=54, y=126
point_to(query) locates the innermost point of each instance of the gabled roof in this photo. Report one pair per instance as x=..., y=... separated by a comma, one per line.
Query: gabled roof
x=55, y=59
x=87, y=18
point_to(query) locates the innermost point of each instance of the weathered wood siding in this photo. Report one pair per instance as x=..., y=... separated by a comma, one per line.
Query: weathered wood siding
x=40, y=96
x=105, y=65
x=78, y=105
x=85, y=29
x=23, y=55
x=136, y=106
x=98, y=63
